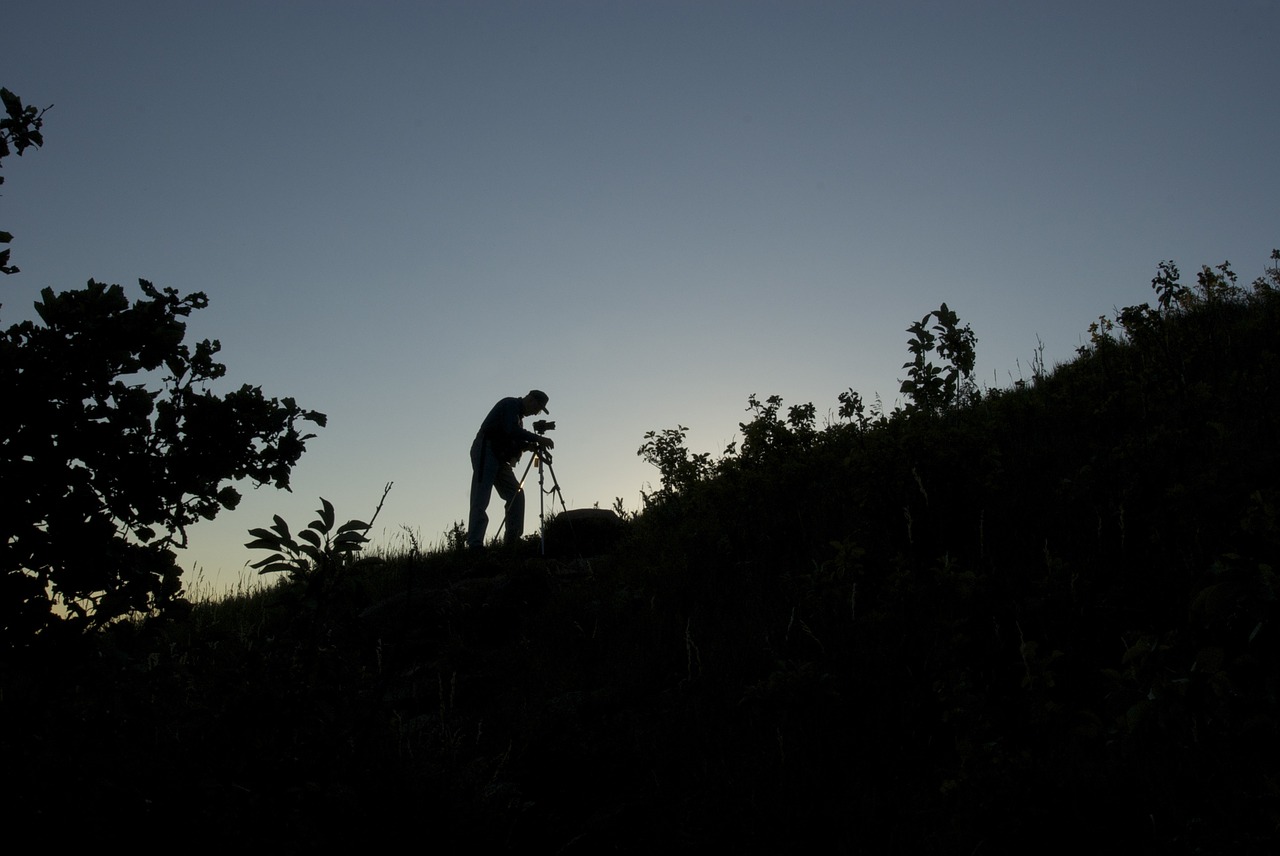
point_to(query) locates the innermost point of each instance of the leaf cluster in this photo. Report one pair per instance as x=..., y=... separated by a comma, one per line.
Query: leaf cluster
x=320, y=557
x=113, y=444
x=931, y=387
x=318, y=548
x=19, y=130
x=678, y=467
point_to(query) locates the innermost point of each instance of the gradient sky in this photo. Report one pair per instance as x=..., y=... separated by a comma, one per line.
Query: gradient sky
x=403, y=211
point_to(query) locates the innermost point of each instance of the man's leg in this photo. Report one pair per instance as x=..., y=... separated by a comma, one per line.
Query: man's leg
x=484, y=468
x=509, y=489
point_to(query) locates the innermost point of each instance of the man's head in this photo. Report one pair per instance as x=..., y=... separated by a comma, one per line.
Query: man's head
x=535, y=402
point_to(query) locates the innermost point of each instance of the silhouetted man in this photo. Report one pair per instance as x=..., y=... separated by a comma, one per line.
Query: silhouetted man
x=494, y=453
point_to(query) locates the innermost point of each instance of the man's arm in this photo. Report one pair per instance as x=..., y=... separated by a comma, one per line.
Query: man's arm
x=513, y=430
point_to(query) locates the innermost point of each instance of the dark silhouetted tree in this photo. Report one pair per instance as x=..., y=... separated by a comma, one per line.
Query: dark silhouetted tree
x=112, y=443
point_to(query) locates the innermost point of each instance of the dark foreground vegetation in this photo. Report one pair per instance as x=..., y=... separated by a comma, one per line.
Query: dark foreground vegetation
x=1020, y=620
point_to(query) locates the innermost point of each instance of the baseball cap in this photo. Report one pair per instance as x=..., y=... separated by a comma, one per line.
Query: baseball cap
x=541, y=396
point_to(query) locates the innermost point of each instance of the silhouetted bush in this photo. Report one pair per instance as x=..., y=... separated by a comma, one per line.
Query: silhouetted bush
x=111, y=444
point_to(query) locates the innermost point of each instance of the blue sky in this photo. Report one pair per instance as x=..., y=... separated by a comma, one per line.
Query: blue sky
x=403, y=211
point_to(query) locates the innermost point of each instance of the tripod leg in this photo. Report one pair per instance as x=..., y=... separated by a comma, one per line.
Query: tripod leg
x=555, y=491
x=542, y=510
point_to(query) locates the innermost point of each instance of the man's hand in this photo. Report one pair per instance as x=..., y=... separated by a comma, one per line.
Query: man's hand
x=547, y=442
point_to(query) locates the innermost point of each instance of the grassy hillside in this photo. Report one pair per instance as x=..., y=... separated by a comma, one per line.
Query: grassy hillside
x=1021, y=619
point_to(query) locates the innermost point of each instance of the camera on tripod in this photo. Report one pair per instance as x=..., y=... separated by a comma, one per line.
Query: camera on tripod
x=542, y=426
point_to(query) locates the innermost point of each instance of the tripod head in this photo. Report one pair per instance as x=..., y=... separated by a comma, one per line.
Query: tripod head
x=541, y=427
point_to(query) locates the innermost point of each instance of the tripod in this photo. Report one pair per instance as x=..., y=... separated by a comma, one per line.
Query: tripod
x=542, y=460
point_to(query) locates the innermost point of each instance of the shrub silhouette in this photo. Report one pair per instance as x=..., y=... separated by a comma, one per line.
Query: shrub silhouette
x=321, y=556
x=111, y=444
x=928, y=386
